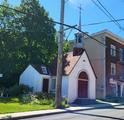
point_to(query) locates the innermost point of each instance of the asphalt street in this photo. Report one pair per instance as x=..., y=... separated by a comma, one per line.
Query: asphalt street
x=116, y=113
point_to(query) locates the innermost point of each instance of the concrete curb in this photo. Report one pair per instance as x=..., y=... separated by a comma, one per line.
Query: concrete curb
x=32, y=115
x=53, y=112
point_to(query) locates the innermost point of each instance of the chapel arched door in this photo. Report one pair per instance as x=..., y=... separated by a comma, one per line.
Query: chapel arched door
x=83, y=85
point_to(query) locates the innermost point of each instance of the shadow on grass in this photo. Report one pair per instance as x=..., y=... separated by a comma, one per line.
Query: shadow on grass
x=9, y=100
x=12, y=100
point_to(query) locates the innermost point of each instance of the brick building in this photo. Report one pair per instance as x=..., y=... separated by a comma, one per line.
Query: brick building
x=108, y=62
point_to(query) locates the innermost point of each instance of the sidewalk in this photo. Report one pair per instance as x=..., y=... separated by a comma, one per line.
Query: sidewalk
x=56, y=111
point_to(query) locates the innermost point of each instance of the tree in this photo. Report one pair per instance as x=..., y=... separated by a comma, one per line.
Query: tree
x=25, y=39
x=8, y=43
x=39, y=33
x=66, y=46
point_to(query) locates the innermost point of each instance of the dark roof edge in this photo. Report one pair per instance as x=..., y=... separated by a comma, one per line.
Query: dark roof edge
x=75, y=64
x=91, y=64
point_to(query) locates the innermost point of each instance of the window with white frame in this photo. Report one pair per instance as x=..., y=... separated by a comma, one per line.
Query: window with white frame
x=121, y=54
x=113, y=50
x=44, y=70
x=1, y=75
x=113, y=69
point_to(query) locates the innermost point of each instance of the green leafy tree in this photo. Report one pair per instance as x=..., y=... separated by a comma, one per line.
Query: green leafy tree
x=39, y=33
x=8, y=43
x=24, y=39
x=66, y=46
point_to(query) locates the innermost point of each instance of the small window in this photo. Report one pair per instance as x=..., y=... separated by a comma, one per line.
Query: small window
x=113, y=50
x=76, y=38
x=121, y=54
x=79, y=39
x=44, y=70
x=123, y=91
x=113, y=69
x=1, y=75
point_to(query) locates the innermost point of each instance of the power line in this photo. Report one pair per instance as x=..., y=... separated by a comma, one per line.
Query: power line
x=69, y=34
x=107, y=14
x=110, y=14
x=101, y=9
x=102, y=22
x=72, y=27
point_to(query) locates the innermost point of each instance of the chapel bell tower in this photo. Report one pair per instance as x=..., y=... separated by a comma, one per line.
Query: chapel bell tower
x=78, y=47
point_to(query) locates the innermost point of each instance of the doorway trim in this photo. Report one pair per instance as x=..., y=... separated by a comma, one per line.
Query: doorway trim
x=83, y=76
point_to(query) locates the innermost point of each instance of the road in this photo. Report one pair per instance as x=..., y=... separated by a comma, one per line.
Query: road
x=116, y=113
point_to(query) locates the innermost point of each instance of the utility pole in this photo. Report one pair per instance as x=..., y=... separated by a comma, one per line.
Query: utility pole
x=58, y=96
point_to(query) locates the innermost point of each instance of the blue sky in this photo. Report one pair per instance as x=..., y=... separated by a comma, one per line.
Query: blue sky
x=90, y=13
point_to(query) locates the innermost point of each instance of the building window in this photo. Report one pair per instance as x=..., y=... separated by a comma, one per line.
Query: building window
x=113, y=69
x=121, y=54
x=1, y=75
x=113, y=89
x=53, y=85
x=44, y=70
x=78, y=38
x=113, y=50
x=123, y=91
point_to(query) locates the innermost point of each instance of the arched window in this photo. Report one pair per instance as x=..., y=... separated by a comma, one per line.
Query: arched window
x=83, y=75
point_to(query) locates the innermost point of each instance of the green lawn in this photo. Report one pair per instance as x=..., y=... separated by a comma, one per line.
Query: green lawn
x=11, y=105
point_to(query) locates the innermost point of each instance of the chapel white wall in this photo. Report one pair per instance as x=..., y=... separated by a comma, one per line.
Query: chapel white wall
x=31, y=78
x=82, y=65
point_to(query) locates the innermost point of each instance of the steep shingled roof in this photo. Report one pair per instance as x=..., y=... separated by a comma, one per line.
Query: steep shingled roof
x=39, y=69
x=69, y=61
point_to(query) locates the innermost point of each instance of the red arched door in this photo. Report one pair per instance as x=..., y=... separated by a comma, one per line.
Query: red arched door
x=83, y=85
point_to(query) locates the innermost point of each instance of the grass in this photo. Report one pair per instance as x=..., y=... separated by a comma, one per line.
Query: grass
x=11, y=105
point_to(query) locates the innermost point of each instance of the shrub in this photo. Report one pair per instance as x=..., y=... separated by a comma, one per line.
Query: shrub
x=26, y=98
x=46, y=101
x=25, y=89
x=41, y=101
x=41, y=95
x=35, y=102
x=65, y=103
x=14, y=91
x=18, y=90
x=32, y=99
